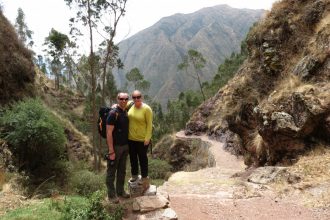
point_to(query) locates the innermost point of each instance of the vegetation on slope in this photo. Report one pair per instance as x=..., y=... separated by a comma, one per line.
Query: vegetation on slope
x=16, y=66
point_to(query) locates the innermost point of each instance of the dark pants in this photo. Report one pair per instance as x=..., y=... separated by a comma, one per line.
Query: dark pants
x=138, y=154
x=118, y=168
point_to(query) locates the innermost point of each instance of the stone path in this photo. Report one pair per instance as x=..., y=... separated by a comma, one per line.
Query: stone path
x=212, y=193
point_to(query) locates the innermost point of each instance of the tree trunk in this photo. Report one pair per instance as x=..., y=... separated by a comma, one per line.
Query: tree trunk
x=104, y=73
x=94, y=120
x=200, y=85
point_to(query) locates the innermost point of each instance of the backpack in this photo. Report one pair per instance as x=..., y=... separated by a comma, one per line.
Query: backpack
x=103, y=115
x=102, y=121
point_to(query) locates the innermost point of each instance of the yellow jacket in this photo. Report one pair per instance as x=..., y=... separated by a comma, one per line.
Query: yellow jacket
x=140, y=123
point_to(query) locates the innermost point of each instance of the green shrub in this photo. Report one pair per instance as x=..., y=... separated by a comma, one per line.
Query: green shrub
x=36, y=139
x=69, y=208
x=158, y=169
x=93, y=209
x=85, y=182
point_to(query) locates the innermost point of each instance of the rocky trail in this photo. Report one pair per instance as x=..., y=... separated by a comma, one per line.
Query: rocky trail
x=213, y=193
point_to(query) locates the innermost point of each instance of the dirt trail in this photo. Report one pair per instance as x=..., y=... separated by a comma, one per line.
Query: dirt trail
x=212, y=193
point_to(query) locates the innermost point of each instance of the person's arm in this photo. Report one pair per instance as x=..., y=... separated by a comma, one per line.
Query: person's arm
x=112, y=154
x=148, y=116
x=111, y=120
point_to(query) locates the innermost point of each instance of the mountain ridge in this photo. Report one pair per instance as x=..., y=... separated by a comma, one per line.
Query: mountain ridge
x=216, y=32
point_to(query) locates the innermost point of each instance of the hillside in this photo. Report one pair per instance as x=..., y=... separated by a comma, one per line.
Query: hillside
x=20, y=80
x=216, y=32
x=278, y=104
x=16, y=66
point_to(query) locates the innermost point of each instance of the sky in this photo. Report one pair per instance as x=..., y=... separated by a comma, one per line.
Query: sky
x=43, y=15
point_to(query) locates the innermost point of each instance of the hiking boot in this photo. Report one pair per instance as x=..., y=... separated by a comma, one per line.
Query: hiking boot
x=124, y=195
x=145, y=183
x=134, y=178
x=113, y=200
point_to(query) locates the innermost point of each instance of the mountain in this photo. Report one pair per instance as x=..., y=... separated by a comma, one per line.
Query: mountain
x=278, y=104
x=216, y=32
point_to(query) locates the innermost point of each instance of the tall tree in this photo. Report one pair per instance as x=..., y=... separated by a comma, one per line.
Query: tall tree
x=113, y=12
x=197, y=61
x=41, y=64
x=24, y=33
x=70, y=65
x=143, y=85
x=90, y=14
x=56, y=42
x=111, y=88
x=134, y=76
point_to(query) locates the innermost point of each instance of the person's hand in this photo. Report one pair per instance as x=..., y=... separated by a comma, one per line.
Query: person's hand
x=114, y=105
x=112, y=156
x=146, y=143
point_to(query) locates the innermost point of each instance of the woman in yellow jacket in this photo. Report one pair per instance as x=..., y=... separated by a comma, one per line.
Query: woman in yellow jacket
x=139, y=136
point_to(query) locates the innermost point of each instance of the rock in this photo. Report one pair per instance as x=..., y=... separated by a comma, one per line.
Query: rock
x=327, y=127
x=136, y=207
x=269, y=174
x=195, y=127
x=151, y=191
x=179, y=154
x=296, y=117
x=306, y=66
x=170, y=214
x=264, y=175
x=149, y=203
x=167, y=214
x=163, y=193
x=283, y=121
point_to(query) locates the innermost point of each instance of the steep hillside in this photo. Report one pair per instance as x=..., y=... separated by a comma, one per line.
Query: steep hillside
x=16, y=66
x=216, y=32
x=278, y=104
x=19, y=78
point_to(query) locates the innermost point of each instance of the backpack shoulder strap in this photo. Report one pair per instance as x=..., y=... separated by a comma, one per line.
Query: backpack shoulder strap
x=116, y=112
x=129, y=106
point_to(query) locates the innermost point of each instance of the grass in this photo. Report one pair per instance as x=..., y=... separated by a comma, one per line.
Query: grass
x=69, y=207
x=315, y=166
x=314, y=171
x=37, y=211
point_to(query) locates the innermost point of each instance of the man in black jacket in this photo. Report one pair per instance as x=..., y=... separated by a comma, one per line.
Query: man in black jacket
x=117, y=141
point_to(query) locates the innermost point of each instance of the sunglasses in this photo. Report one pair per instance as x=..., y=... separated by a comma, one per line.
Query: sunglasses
x=123, y=99
x=136, y=97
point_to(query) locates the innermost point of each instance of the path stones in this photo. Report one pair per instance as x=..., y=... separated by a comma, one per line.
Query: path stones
x=150, y=204
x=164, y=214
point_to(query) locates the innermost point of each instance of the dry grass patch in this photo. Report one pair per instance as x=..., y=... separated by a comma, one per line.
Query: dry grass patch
x=293, y=84
x=239, y=91
x=315, y=166
x=314, y=170
x=284, y=88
